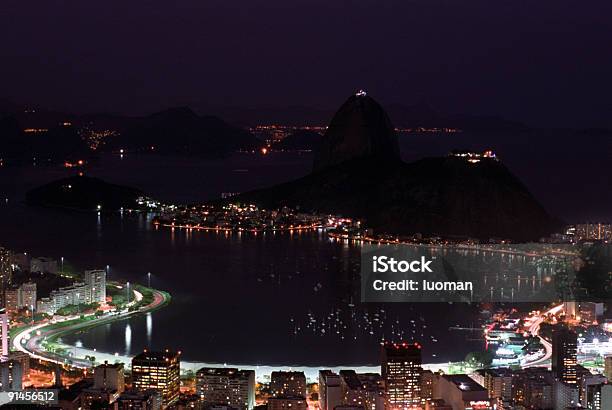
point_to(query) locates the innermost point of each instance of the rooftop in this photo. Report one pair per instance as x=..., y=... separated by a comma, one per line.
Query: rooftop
x=464, y=382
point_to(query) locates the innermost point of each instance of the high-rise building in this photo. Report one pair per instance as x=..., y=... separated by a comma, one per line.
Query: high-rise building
x=11, y=299
x=593, y=231
x=533, y=388
x=352, y=392
x=363, y=390
x=287, y=403
x=139, y=400
x=4, y=333
x=6, y=272
x=108, y=385
x=110, y=377
x=26, y=297
x=226, y=386
x=427, y=381
x=498, y=382
x=606, y=396
x=565, y=395
x=159, y=371
x=75, y=294
x=461, y=392
x=11, y=375
x=590, y=391
x=564, y=354
x=608, y=368
x=23, y=359
x=330, y=391
x=288, y=384
x=96, y=281
x=401, y=372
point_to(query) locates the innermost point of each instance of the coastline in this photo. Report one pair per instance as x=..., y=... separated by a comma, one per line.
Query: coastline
x=29, y=340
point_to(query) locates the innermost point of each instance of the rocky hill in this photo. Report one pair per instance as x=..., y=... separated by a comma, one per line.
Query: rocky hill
x=358, y=173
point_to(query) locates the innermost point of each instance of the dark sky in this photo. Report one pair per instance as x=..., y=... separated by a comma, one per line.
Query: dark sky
x=545, y=62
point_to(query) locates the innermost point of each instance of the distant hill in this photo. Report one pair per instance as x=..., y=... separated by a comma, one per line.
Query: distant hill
x=84, y=193
x=301, y=140
x=177, y=131
x=358, y=173
x=58, y=143
x=404, y=116
x=182, y=131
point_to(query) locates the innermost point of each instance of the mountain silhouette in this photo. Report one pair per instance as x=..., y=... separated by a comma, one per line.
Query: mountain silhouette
x=358, y=173
x=182, y=131
x=360, y=129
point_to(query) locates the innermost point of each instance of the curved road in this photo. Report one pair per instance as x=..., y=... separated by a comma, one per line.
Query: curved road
x=28, y=340
x=534, y=329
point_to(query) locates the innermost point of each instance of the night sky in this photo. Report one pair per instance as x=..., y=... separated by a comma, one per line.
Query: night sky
x=545, y=62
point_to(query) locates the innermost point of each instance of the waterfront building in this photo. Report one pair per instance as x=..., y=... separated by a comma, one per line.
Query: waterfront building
x=43, y=265
x=139, y=400
x=226, y=386
x=159, y=371
x=11, y=299
x=287, y=403
x=92, y=290
x=330, y=391
x=11, y=375
x=460, y=392
x=288, y=384
x=26, y=295
x=96, y=281
x=17, y=298
x=593, y=231
x=401, y=372
x=564, y=354
x=45, y=305
x=76, y=294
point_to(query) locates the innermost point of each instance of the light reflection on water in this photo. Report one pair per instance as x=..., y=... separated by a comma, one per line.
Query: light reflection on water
x=128, y=339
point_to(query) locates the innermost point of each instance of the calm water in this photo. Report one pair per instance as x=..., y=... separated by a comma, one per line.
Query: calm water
x=286, y=300
x=274, y=299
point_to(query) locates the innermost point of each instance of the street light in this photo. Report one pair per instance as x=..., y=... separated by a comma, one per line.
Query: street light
x=62, y=261
x=128, y=292
x=149, y=279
